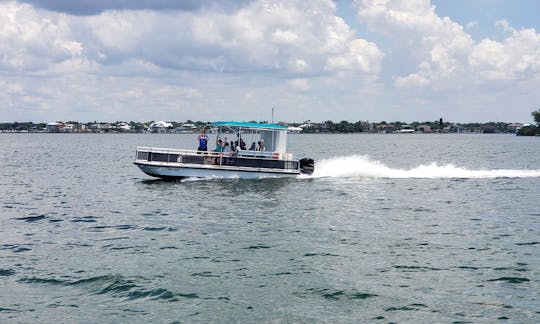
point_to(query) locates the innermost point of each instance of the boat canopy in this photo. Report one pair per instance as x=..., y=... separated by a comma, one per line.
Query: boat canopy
x=273, y=135
x=250, y=125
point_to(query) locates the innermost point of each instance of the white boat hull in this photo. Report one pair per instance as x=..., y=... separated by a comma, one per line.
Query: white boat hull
x=187, y=171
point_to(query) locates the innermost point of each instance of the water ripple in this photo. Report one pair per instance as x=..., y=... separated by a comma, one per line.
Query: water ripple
x=7, y=272
x=114, y=286
x=30, y=219
x=513, y=280
x=529, y=243
x=331, y=294
x=416, y=268
x=411, y=307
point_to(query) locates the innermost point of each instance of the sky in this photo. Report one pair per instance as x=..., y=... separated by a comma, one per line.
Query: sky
x=207, y=60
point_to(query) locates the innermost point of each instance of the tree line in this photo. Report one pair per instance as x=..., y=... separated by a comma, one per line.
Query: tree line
x=328, y=126
x=531, y=130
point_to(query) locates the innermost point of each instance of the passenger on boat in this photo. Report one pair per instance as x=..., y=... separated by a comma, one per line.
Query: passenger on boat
x=219, y=146
x=219, y=149
x=203, y=141
x=226, y=152
x=227, y=148
x=242, y=144
x=261, y=145
x=252, y=147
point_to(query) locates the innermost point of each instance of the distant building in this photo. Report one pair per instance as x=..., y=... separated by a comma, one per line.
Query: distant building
x=123, y=127
x=101, y=127
x=365, y=126
x=55, y=127
x=160, y=127
x=407, y=129
x=386, y=128
x=186, y=128
x=69, y=128
x=514, y=127
x=294, y=130
x=424, y=128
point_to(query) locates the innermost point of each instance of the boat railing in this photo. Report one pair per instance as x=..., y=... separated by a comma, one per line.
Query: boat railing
x=243, y=158
x=240, y=153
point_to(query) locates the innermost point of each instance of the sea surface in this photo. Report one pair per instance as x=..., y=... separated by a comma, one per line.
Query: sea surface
x=391, y=228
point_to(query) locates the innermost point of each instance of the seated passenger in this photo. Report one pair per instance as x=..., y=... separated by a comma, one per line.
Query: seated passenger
x=261, y=145
x=227, y=148
x=252, y=147
x=219, y=149
x=219, y=146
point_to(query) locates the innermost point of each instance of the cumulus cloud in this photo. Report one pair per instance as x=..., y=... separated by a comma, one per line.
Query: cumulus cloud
x=195, y=59
x=95, y=40
x=30, y=40
x=260, y=36
x=438, y=45
x=444, y=53
x=472, y=24
x=516, y=57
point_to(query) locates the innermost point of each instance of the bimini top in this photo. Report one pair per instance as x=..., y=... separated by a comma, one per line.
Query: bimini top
x=250, y=125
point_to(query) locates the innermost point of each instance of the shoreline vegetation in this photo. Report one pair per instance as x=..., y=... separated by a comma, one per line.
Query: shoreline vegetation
x=307, y=127
x=325, y=127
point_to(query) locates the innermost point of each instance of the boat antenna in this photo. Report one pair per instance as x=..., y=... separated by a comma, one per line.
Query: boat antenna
x=272, y=115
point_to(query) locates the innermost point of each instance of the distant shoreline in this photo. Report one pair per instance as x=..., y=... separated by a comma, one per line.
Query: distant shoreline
x=301, y=133
x=308, y=127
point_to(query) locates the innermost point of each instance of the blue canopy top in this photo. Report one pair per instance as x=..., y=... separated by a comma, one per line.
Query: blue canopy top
x=250, y=125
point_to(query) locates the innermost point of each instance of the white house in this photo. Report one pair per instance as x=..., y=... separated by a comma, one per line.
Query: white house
x=160, y=127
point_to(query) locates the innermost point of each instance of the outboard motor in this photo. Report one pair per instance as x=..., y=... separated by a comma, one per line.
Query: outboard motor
x=307, y=166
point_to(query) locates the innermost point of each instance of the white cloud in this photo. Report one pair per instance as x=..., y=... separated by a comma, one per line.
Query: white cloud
x=263, y=35
x=174, y=62
x=359, y=56
x=299, y=84
x=471, y=24
x=78, y=57
x=31, y=39
x=438, y=45
x=516, y=57
x=444, y=53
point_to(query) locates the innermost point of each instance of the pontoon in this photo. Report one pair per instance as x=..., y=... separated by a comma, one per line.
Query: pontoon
x=273, y=161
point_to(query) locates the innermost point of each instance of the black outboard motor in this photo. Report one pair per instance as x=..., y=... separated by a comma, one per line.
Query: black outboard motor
x=307, y=166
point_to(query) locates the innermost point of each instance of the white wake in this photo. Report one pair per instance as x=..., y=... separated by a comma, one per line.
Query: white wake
x=360, y=166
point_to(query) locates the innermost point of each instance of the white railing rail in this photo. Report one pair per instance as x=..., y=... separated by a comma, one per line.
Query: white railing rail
x=240, y=153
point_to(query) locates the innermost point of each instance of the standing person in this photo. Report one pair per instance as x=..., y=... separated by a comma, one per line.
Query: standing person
x=261, y=145
x=203, y=141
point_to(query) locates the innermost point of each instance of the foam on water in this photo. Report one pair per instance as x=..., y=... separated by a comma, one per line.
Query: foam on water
x=361, y=166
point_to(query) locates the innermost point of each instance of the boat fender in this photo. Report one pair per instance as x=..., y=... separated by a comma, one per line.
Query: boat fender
x=275, y=155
